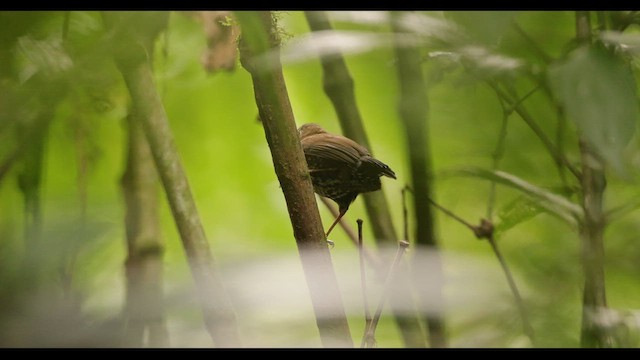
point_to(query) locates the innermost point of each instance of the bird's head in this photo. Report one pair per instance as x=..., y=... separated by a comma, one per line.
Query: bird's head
x=310, y=129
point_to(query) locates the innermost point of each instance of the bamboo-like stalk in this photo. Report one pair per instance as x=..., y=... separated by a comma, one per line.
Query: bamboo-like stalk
x=413, y=109
x=132, y=60
x=339, y=88
x=144, y=307
x=593, y=183
x=258, y=38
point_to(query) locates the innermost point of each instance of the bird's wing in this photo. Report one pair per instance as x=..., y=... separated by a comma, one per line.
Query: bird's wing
x=332, y=148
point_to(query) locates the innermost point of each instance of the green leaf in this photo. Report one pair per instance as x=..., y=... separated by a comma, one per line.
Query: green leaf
x=553, y=203
x=598, y=91
x=515, y=212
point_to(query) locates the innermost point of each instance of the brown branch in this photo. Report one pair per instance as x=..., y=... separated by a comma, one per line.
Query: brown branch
x=258, y=38
x=144, y=308
x=413, y=109
x=131, y=59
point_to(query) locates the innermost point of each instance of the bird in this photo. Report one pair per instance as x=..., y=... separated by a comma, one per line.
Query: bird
x=339, y=167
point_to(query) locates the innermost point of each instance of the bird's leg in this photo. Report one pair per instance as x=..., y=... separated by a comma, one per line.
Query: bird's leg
x=342, y=212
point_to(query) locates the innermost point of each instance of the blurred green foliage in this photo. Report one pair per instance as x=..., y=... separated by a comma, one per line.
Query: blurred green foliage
x=72, y=83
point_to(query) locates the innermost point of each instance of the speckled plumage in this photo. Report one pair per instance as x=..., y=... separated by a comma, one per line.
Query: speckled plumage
x=340, y=168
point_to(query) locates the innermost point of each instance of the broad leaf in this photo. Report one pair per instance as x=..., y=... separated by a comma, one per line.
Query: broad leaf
x=515, y=212
x=553, y=203
x=598, y=91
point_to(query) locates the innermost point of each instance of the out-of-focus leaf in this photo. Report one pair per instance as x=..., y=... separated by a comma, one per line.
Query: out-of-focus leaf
x=598, y=91
x=519, y=210
x=433, y=29
x=430, y=28
x=380, y=18
x=488, y=63
x=628, y=41
x=422, y=30
x=479, y=61
x=553, y=203
x=332, y=42
x=486, y=27
x=46, y=56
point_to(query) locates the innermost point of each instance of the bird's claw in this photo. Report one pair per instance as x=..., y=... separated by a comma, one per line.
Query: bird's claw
x=331, y=244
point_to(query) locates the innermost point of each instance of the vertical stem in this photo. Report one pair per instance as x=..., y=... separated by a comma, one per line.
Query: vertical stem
x=363, y=284
x=217, y=310
x=339, y=88
x=258, y=38
x=144, y=308
x=593, y=184
x=132, y=60
x=413, y=108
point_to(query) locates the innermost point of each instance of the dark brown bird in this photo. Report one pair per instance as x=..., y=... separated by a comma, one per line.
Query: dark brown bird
x=340, y=168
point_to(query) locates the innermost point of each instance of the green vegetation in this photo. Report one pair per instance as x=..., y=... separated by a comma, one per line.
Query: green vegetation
x=525, y=119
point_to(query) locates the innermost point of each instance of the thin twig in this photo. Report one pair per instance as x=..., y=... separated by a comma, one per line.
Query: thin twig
x=370, y=256
x=534, y=45
x=363, y=284
x=405, y=213
x=526, y=324
x=496, y=157
x=452, y=215
x=369, y=335
x=561, y=127
x=619, y=211
x=485, y=231
x=528, y=119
